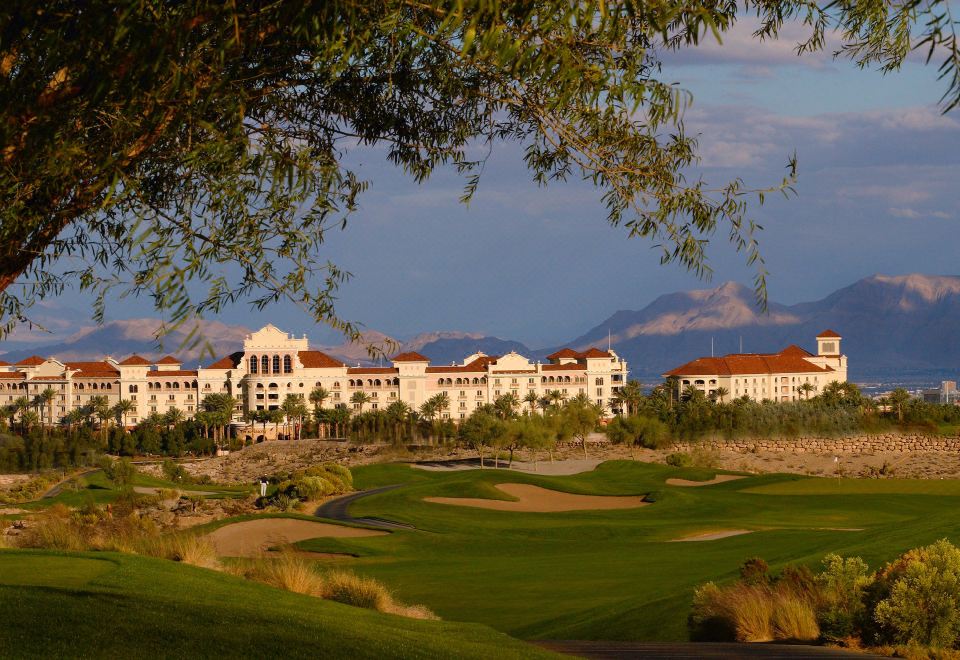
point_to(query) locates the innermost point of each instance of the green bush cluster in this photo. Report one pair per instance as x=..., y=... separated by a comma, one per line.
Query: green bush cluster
x=913, y=601
x=310, y=484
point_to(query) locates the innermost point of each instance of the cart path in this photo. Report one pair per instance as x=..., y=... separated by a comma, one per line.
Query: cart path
x=338, y=509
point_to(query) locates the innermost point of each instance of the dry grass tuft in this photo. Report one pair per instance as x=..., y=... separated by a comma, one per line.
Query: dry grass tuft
x=351, y=589
x=286, y=571
x=183, y=547
x=794, y=619
x=412, y=612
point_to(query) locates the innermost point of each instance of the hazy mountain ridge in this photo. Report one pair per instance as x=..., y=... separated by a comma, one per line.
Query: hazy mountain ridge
x=889, y=323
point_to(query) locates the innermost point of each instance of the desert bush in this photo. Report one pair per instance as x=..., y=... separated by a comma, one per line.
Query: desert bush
x=175, y=472
x=755, y=571
x=679, y=459
x=704, y=458
x=638, y=430
x=842, y=583
x=55, y=529
x=120, y=471
x=923, y=603
x=335, y=473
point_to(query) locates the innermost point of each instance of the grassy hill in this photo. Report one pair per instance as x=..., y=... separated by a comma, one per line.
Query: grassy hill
x=617, y=574
x=111, y=605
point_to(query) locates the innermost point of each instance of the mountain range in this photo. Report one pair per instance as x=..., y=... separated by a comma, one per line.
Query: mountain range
x=892, y=325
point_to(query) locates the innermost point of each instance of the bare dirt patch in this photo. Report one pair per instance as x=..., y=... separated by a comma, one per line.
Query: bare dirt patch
x=712, y=536
x=534, y=499
x=251, y=538
x=719, y=479
x=8, y=480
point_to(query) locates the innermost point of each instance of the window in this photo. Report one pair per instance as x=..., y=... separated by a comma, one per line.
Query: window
x=253, y=364
x=599, y=381
x=276, y=364
x=264, y=365
x=287, y=365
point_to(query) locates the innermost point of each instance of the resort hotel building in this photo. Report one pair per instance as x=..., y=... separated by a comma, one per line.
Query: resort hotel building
x=274, y=364
x=790, y=375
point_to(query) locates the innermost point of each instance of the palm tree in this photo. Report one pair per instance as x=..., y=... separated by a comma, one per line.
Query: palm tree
x=73, y=417
x=294, y=409
x=506, y=405
x=123, y=408
x=100, y=406
x=629, y=397
x=361, y=398
x=398, y=412
x=317, y=396
x=46, y=398
x=898, y=398
x=442, y=401
x=21, y=405
x=173, y=417
x=720, y=393
x=532, y=400
x=806, y=389
x=28, y=419
x=556, y=398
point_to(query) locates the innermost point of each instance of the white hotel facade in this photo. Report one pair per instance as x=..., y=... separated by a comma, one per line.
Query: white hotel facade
x=767, y=376
x=274, y=364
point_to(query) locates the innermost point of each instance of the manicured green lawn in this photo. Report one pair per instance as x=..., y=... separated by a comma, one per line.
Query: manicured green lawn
x=58, y=605
x=615, y=574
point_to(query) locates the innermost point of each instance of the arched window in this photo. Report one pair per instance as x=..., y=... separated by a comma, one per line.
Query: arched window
x=107, y=386
x=287, y=365
x=377, y=382
x=336, y=385
x=449, y=381
x=259, y=386
x=264, y=365
x=80, y=386
x=253, y=364
x=276, y=364
x=476, y=381
x=94, y=386
x=369, y=382
x=156, y=386
x=194, y=384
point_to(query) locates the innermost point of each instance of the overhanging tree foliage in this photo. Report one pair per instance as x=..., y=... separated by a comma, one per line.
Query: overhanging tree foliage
x=148, y=145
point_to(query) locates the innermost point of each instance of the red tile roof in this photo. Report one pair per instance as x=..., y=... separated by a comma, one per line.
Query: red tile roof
x=318, y=360
x=31, y=361
x=168, y=360
x=793, y=349
x=829, y=333
x=595, y=353
x=373, y=370
x=136, y=361
x=410, y=356
x=48, y=378
x=573, y=366
x=93, y=369
x=564, y=353
x=12, y=374
x=4, y=363
x=480, y=364
x=160, y=375
x=231, y=361
x=736, y=364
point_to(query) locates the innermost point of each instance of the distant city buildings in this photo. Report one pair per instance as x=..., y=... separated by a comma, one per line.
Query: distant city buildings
x=790, y=375
x=274, y=364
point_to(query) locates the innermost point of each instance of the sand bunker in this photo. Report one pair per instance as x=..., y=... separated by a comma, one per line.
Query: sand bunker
x=252, y=537
x=149, y=490
x=534, y=499
x=713, y=536
x=719, y=479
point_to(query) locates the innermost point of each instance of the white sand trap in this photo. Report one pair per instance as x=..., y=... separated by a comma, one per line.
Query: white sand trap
x=252, y=537
x=713, y=536
x=719, y=479
x=534, y=499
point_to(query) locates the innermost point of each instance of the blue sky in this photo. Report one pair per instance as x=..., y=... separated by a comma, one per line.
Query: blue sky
x=877, y=193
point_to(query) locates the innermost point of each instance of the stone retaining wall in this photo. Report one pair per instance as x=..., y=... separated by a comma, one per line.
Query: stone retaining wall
x=889, y=442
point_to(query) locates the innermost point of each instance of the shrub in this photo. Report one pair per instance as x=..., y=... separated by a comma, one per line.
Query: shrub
x=923, y=605
x=755, y=571
x=679, y=459
x=842, y=583
x=120, y=471
x=175, y=472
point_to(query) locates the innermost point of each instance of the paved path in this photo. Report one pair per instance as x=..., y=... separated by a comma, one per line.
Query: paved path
x=708, y=651
x=338, y=510
x=57, y=488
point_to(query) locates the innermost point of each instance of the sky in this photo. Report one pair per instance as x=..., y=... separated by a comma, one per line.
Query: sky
x=877, y=193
